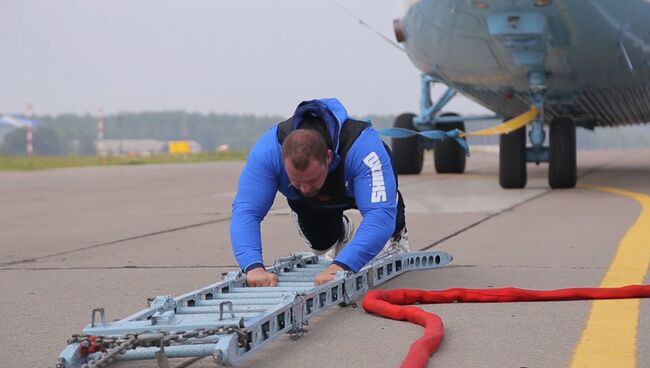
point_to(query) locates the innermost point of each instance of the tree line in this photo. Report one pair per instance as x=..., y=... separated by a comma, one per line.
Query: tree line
x=71, y=134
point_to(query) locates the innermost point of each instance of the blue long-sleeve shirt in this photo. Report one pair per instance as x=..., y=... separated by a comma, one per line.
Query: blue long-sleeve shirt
x=369, y=179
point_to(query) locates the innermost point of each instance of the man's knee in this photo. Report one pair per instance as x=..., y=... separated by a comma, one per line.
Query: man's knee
x=318, y=235
x=322, y=245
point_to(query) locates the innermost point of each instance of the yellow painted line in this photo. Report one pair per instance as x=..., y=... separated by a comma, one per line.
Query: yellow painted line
x=609, y=338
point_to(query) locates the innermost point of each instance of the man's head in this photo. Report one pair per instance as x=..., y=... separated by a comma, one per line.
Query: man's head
x=306, y=159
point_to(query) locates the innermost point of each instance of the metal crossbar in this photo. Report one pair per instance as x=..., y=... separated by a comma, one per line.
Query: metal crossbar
x=228, y=320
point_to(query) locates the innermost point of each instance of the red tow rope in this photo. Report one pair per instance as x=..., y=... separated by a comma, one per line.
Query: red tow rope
x=389, y=303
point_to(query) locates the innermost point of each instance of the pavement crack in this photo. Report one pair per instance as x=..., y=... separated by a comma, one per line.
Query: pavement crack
x=484, y=219
x=112, y=242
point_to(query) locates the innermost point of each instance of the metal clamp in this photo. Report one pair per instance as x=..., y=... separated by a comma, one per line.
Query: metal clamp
x=221, y=305
x=102, y=315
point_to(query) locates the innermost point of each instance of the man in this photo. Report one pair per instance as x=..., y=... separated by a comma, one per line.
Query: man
x=324, y=163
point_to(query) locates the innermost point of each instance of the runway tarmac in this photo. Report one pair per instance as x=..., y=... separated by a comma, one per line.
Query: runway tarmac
x=74, y=239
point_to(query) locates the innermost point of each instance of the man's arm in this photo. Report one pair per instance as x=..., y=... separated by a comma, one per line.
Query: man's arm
x=258, y=184
x=375, y=191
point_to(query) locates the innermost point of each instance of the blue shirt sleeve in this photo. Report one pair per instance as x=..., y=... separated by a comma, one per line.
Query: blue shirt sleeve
x=368, y=168
x=256, y=190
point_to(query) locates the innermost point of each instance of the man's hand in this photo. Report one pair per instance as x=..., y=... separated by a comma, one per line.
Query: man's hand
x=261, y=277
x=328, y=274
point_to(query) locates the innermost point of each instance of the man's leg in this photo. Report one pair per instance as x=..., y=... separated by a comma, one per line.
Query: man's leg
x=321, y=229
x=400, y=218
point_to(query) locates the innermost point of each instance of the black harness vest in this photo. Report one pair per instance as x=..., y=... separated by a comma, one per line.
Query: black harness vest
x=332, y=194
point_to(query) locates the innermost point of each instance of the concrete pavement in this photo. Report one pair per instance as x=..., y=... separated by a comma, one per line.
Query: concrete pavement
x=75, y=239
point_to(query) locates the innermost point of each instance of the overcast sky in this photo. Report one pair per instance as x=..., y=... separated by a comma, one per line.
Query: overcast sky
x=240, y=56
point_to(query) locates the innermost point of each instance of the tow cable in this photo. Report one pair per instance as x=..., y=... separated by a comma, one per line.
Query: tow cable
x=459, y=135
x=397, y=304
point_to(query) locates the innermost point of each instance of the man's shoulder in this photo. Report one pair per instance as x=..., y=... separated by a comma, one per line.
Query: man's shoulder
x=355, y=124
x=368, y=143
x=368, y=138
x=266, y=147
x=269, y=138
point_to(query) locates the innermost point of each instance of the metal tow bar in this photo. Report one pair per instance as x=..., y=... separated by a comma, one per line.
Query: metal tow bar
x=228, y=320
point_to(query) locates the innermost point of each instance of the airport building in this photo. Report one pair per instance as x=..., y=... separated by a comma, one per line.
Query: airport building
x=146, y=147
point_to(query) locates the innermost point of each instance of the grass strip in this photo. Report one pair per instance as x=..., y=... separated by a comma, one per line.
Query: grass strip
x=21, y=163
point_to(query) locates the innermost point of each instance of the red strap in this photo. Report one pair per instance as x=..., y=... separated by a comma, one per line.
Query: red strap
x=388, y=303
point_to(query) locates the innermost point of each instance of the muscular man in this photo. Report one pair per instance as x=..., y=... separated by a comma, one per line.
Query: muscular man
x=324, y=163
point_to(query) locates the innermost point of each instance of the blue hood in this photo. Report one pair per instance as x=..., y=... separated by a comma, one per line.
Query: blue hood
x=332, y=112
